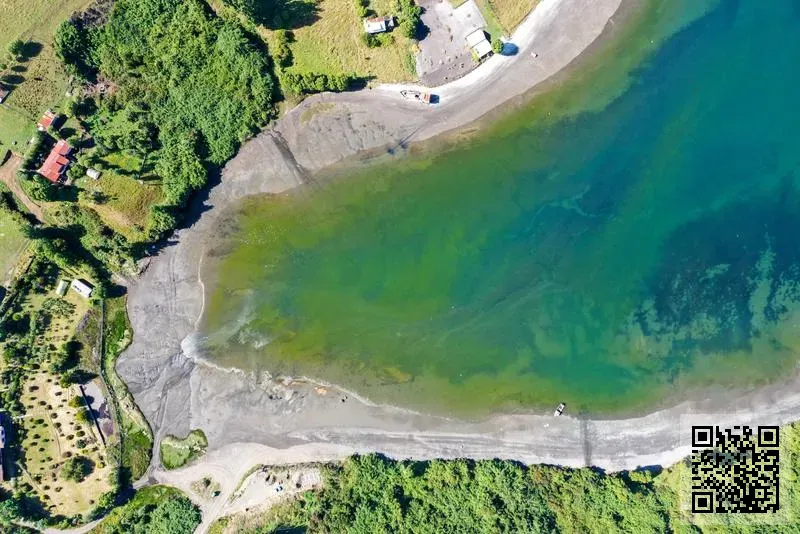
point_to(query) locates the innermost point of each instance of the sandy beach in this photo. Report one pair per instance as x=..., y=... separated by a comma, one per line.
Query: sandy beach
x=252, y=420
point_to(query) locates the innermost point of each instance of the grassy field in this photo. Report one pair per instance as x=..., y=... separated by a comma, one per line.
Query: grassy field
x=38, y=81
x=125, y=201
x=177, y=452
x=511, y=13
x=12, y=243
x=16, y=127
x=334, y=44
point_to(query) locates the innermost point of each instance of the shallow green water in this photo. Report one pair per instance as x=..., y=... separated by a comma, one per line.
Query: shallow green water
x=629, y=236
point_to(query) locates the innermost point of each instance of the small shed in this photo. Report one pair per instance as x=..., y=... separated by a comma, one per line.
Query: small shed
x=49, y=119
x=378, y=24
x=62, y=287
x=479, y=44
x=94, y=174
x=4, y=92
x=83, y=288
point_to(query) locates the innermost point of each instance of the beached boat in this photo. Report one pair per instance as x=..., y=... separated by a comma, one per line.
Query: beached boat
x=559, y=409
x=417, y=96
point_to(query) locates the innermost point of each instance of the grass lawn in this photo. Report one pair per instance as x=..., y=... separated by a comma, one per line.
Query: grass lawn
x=40, y=81
x=177, y=452
x=333, y=44
x=12, y=243
x=511, y=13
x=127, y=202
x=16, y=128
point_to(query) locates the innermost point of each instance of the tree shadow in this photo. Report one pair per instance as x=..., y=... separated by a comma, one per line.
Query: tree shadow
x=12, y=80
x=286, y=14
x=359, y=82
x=19, y=68
x=422, y=31
x=31, y=49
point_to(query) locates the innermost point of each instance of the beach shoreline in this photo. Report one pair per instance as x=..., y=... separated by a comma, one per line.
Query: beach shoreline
x=248, y=417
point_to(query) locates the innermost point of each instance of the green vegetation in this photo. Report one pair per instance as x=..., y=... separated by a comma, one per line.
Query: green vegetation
x=374, y=494
x=152, y=510
x=327, y=38
x=177, y=452
x=31, y=71
x=510, y=13
x=76, y=468
x=12, y=240
x=135, y=436
x=191, y=88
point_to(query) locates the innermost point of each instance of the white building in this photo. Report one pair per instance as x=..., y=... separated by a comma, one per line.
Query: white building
x=479, y=44
x=94, y=174
x=378, y=24
x=82, y=288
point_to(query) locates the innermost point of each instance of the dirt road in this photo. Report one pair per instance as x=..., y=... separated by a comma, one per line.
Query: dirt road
x=8, y=175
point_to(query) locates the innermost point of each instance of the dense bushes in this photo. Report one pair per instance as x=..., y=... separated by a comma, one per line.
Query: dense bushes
x=191, y=88
x=76, y=468
x=408, y=16
x=153, y=510
x=309, y=82
x=374, y=494
x=280, y=48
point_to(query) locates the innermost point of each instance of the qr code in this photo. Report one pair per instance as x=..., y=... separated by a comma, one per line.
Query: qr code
x=735, y=470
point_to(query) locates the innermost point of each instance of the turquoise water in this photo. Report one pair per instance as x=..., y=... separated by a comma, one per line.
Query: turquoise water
x=627, y=237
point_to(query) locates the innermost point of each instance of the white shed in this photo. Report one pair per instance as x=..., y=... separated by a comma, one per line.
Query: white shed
x=84, y=289
x=62, y=287
x=479, y=44
x=94, y=174
x=378, y=24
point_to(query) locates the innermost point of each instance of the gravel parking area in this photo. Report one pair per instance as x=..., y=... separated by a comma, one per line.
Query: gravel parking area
x=444, y=55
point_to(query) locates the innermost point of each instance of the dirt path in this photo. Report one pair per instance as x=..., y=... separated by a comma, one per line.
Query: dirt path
x=8, y=175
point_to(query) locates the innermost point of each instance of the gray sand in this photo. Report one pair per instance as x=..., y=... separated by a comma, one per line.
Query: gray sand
x=250, y=420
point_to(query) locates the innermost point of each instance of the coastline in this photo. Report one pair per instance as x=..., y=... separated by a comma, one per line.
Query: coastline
x=247, y=417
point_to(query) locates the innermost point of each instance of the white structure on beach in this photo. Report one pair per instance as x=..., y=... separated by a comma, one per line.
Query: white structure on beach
x=82, y=288
x=479, y=44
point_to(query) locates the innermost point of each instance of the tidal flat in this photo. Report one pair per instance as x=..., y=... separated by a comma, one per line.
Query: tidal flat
x=638, y=245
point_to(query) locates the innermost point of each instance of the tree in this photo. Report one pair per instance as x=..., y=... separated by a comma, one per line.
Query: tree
x=497, y=46
x=76, y=468
x=15, y=48
x=9, y=510
x=174, y=516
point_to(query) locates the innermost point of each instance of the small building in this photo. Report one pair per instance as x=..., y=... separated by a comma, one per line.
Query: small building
x=378, y=24
x=57, y=162
x=94, y=174
x=62, y=287
x=82, y=288
x=48, y=120
x=4, y=92
x=2, y=446
x=479, y=44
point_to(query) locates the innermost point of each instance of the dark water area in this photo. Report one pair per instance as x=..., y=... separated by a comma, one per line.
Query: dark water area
x=626, y=238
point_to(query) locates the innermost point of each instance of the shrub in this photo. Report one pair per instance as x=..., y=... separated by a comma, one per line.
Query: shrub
x=280, y=48
x=309, y=82
x=497, y=46
x=76, y=469
x=408, y=15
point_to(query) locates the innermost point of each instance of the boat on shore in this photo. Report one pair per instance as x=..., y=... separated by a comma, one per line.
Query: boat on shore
x=417, y=96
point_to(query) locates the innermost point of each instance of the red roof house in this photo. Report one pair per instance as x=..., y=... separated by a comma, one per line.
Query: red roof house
x=57, y=162
x=47, y=120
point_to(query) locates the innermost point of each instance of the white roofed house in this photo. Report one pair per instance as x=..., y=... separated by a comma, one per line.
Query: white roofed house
x=82, y=288
x=479, y=44
x=378, y=24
